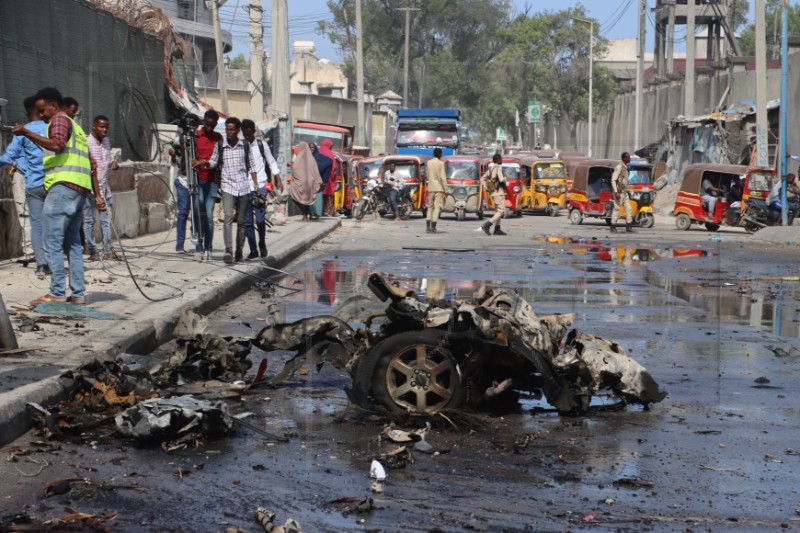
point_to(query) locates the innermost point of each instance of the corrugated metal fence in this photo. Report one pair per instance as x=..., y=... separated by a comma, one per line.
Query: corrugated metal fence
x=110, y=67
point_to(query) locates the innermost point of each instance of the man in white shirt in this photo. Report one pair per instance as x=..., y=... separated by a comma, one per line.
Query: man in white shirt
x=395, y=182
x=269, y=177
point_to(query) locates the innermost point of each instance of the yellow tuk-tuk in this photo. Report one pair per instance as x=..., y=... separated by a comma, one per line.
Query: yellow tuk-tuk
x=544, y=183
x=347, y=189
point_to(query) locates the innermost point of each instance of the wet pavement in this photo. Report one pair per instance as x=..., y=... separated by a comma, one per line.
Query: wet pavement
x=704, y=317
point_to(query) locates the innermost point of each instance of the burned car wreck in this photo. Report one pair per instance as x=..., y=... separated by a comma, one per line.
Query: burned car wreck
x=422, y=357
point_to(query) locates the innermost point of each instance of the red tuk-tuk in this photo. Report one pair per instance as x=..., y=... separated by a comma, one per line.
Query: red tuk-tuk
x=514, y=188
x=591, y=194
x=690, y=208
x=411, y=168
x=465, y=192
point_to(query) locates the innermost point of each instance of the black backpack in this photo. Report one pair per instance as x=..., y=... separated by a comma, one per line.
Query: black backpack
x=220, y=152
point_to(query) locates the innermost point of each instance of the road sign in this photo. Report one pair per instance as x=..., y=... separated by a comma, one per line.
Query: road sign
x=534, y=111
x=501, y=134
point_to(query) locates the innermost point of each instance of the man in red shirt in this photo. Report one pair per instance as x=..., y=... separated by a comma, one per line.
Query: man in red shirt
x=205, y=147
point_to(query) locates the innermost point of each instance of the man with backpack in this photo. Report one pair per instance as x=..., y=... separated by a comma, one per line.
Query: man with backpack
x=268, y=173
x=238, y=178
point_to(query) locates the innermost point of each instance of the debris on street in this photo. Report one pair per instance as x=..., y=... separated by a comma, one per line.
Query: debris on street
x=423, y=357
x=177, y=422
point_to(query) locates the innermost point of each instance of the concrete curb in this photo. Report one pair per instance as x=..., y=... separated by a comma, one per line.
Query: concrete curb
x=149, y=334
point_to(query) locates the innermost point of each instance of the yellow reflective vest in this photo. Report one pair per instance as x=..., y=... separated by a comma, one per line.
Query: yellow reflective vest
x=71, y=165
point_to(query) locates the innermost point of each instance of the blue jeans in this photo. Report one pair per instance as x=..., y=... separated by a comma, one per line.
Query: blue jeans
x=184, y=205
x=62, y=212
x=35, y=198
x=206, y=197
x=259, y=215
x=89, y=210
x=393, y=199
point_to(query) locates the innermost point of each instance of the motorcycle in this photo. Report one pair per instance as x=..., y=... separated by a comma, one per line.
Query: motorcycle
x=376, y=200
x=755, y=215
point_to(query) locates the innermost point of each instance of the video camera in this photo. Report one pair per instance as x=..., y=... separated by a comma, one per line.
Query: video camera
x=188, y=123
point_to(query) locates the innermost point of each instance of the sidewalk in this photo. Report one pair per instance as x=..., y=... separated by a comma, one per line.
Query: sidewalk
x=58, y=343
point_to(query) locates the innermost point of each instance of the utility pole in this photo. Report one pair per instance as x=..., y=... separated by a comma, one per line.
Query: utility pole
x=639, y=76
x=256, y=67
x=408, y=11
x=223, y=95
x=281, y=97
x=359, y=77
x=591, y=78
x=691, y=56
x=762, y=125
x=784, y=167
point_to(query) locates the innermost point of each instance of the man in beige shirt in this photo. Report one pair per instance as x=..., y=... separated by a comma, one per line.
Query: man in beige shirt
x=437, y=189
x=619, y=184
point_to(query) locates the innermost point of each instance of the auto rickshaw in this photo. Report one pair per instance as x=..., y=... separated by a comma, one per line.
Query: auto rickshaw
x=754, y=183
x=346, y=183
x=465, y=192
x=411, y=168
x=640, y=175
x=592, y=196
x=367, y=169
x=514, y=197
x=545, y=184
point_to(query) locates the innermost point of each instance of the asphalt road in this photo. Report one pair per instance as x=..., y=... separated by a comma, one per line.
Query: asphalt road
x=713, y=317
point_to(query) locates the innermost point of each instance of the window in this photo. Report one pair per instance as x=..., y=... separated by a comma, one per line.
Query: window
x=186, y=9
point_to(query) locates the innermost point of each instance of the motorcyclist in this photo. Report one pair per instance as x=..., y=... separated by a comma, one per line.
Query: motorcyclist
x=395, y=182
x=774, y=198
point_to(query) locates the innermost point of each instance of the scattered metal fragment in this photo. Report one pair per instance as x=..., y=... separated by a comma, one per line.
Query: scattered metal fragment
x=634, y=483
x=176, y=422
x=721, y=469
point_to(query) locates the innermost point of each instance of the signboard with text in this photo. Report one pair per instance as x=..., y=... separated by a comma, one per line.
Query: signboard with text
x=534, y=111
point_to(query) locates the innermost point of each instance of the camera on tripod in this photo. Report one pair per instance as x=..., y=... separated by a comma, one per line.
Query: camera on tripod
x=188, y=123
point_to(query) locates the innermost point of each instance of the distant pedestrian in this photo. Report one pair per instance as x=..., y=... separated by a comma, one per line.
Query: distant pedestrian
x=268, y=173
x=494, y=182
x=237, y=179
x=324, y=165
x=27, y=156
x=437, y=189
x=100, y=148
x=395, y=182
x=306, y=180
x=207, y=187
x=69, y=178
x=329, y=190
x=619, y=186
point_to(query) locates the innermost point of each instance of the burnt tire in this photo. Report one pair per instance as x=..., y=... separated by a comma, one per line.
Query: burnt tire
x=554, y=210
x=416, y=372
x=359, y=210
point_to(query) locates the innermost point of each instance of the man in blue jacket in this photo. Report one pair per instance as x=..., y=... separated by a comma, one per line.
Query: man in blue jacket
x=27, y=156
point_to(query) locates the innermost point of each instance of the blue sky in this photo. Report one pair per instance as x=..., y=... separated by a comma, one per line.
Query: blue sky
x=617, y=18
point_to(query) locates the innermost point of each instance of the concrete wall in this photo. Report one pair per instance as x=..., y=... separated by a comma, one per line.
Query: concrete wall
x=613, y=130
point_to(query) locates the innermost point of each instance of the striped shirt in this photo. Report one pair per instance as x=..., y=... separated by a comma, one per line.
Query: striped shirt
x=235, y=179
x=101, y=152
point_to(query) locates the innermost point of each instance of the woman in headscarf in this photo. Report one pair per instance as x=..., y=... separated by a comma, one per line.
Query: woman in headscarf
x=328, y=207
x=324, y=164
x=306, y=180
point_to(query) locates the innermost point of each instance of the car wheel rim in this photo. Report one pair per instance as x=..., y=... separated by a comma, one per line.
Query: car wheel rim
x=421, y=378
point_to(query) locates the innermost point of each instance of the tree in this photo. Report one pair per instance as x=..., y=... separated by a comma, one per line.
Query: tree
x=240, y=63
x=546, y=57
x=774, y=8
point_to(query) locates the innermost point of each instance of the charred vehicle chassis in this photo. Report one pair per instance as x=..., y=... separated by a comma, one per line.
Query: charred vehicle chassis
x=425, y=356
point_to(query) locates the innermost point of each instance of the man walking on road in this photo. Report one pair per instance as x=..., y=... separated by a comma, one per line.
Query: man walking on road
x=68, y=178
x=205, y=146
x=237, y=179
x=619, y=186
x=100, y=148
x=28, y=157
x=267, y=170
x=437, y=189
x=495, y=182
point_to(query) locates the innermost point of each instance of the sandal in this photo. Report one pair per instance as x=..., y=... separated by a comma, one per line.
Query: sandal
x=47, y=298
x=76, y=301
x=111, y=256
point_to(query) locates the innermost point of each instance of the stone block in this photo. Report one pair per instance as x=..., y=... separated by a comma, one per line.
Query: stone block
x=154, y=217
x=126, y=214
x=122, y=179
